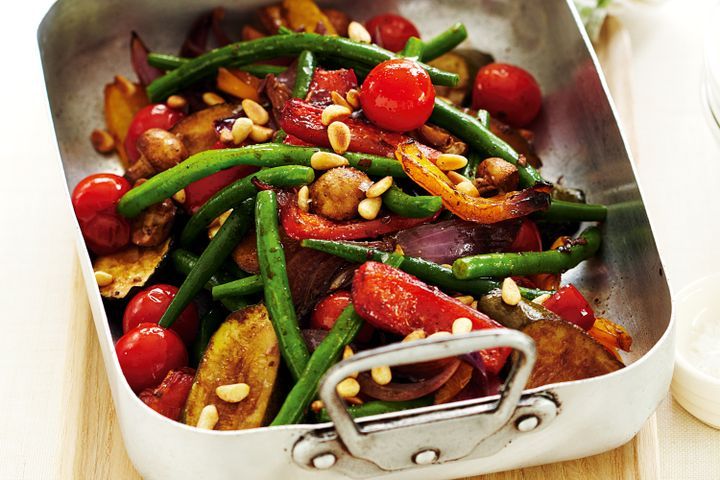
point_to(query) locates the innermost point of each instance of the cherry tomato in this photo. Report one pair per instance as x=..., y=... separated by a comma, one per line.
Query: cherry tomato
x=397, y=95
x=508, y=92
x=329, y=309
x=391, y=31
x=569, y=303
x=147, y=353
x=95, y=200
x=528, y=238
x=149, y=305
x=156, y=115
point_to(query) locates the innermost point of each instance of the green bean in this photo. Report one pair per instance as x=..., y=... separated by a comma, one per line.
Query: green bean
x=426, y=271
x=279, y=137
x=479, y=137
x=165, y=184
x=325, y=355
x=209, y=262
x=413, y=48
x=444, y=42
x=171, y=62
x=562, y=211
x=470, y=170
x=209, y=323
x=406, y=205
x=278, y=299
x=238, y=192
x=378, y=407
x=165, y=61
x=306, y=64
x=277, y=46
x=238, y=288
x=529, y=263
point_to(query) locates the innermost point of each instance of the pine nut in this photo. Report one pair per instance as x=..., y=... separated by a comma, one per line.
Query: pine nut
x=261, y=134
x=353, y=98
x=446, y=265
x=208, y=417
x=327, y=160
x=440, y=334
x=358, y=33
x=399, y=250
x=304, y=198
x=456, y=178
x=218, y=222
x=255, y=112
x=233, y=393
x=226, y=135
x=348, y=388
x=379, y=187
x=179, y=196
x=465, y=299
x=474, y=305
x=317, y=405
x=211, y=98
x=414, y=335
x=338, y=99
x=339, y=136
x=541, y=299
x=354, y=401
x=333, y=113
x=369, y=208
x=241, y=130
x=176, y=101
x=347, y=352
x=468, y=188
x=127, y=87
x=510, y=292
x=381, y=375
x=462, y=325
x=450, y=161
x=103, y=279
x=102, y=141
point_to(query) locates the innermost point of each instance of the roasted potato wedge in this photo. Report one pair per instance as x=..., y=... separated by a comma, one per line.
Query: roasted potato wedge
x=130, y=267
x=197, y=131
x=566, y=353
x=452, y=62
x=244, y=349
x=123, y=99
x=306, y=15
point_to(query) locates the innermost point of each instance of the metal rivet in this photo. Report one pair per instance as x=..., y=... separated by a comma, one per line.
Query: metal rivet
x=324, y=461
x=426, y=457
x=526, y=424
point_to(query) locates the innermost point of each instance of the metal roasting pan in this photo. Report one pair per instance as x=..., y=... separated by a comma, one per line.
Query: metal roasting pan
x=84, y=43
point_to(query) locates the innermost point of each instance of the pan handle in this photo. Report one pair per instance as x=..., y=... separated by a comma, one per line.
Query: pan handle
x=432, y=434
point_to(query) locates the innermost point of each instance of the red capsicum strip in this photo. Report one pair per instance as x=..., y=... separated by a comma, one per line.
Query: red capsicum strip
x=301, y=225
x=476, y=209
x=392, y=300
x=304, y=121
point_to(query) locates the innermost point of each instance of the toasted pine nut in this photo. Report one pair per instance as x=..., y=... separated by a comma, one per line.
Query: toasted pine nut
x=179, y=196
x=465, y=299
x=217, y=223
x=241, y=130
x=255, y=111
x=446, y=265
x=347, y=352
x=327, y=160
x=456, y=178
x=381, y=375
x=261, y=134
x=338, y=99
x=317, y=405
x=510, y=292
x=339, y=136
x=208, y=417
x=358, y=33
x=468, y=188
x=354, y=401
x=226, y=135
x=127, y=87
x=399, y=250
x=212, y=98
x=379, y=187
x=353, y=98
x=233, y=393
x=418, y=334
x=440, y=334
x=304, y=198
x=369, y=208
x=462, y=325
x=450, y=161
x=348, y=388
x=102, y=141
x=103, y=279
x=541, y=299
x=176, y=101
x=333, y=113
x=474, y=305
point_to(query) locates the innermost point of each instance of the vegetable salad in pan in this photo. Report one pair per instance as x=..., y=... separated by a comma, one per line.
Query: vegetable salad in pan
x=321, y=187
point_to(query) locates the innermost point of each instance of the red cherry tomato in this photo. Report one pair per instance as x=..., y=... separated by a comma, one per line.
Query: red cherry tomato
x=569, y=303
x=149, y=305
x=95, y=200
x=391, y=31
x=329, y=309
x=508, y=92
x=156, y=115
x=527, y=239
x=147, y=353
x=397, y=95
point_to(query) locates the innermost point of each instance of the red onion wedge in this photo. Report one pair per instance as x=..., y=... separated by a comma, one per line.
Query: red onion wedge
x=398, y=392
x=138, y=57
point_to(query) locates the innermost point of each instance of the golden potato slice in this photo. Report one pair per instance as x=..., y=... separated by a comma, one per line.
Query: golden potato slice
x=197, y=131
x=122, y=101
x=130, y=267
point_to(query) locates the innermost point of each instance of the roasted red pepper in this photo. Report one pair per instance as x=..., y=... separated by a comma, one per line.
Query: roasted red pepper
x=397, y=302
x=326, y=81
x=301, y=225
x=570, y=304
x=169, y=397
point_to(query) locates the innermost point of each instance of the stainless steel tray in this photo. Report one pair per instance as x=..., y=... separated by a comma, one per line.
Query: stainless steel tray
x=84, y=43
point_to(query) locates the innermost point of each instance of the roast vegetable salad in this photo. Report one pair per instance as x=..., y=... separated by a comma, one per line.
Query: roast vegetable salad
x=321, y=187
